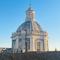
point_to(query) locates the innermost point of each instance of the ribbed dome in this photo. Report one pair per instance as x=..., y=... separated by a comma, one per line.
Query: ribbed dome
x=30, y=26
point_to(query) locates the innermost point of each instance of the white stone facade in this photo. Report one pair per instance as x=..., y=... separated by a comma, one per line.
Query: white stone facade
x=29, y=36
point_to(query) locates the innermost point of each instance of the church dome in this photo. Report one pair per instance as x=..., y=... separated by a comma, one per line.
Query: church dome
x=30, y=26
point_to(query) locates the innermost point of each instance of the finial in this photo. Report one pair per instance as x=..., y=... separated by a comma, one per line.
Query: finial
x=30, y=3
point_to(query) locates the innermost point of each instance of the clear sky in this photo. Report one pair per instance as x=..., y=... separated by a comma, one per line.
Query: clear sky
x=12, y=14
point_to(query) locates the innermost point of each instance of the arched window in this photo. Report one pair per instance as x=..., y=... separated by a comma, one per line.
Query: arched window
x=19, y=43
x=20, y=40
x=27, y=43
x=13, y=43
x=38, y=46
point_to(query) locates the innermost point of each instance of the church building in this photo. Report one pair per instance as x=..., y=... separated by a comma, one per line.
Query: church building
x=29, y=36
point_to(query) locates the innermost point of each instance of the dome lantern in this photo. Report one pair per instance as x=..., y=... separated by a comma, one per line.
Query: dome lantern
x=30, y=14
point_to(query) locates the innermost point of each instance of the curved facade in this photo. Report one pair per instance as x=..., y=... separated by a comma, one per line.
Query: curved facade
x=29, y=36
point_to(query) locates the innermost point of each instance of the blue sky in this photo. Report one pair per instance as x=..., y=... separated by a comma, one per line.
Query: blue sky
x=12, y=14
